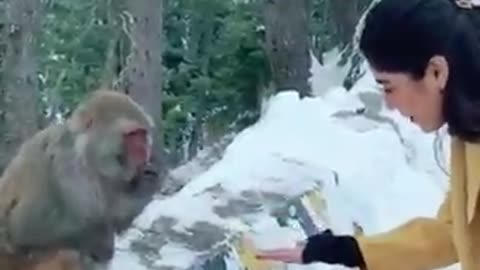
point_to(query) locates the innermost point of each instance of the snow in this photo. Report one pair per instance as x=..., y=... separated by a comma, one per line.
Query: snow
x=332, y=74
x=374, y=173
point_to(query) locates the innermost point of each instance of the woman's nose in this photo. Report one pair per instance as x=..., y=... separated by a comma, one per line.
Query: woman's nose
x=390, y=102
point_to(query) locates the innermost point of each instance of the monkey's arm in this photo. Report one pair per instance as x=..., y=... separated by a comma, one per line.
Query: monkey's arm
x=131, y=201
x=86, y=224
x=423, y=243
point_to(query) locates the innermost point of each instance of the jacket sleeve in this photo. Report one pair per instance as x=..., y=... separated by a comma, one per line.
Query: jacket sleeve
x=420, y=244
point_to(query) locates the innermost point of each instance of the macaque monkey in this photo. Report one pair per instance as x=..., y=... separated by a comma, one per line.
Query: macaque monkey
x=73, y=185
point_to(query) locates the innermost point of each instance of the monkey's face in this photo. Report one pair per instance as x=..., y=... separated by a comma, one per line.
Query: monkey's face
x=119, y=151
x=136, y=143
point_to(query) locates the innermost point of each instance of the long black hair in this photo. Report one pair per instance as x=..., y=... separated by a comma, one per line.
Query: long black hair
x=403, y=35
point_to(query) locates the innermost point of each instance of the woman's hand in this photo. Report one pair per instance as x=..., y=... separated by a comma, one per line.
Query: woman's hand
x=286, y=255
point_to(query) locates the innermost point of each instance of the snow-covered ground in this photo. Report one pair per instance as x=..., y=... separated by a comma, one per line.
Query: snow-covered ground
x=376, y=170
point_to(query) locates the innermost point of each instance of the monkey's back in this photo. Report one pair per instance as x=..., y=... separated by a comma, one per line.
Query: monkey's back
x=26, y=172
x=24, y=197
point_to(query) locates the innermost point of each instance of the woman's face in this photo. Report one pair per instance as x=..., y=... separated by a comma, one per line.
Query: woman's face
x=418, y=99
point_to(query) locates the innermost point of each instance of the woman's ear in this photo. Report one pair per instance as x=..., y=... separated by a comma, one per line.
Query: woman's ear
x=438, y=68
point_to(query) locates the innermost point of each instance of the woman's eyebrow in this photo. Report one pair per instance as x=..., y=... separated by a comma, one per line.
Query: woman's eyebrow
x=381, y=81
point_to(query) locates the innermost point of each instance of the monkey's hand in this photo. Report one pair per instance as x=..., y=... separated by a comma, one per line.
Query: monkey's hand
x=146, y=183
x=101, y=246
x=132, y=199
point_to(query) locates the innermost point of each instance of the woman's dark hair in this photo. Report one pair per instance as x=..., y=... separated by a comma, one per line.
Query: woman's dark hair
x=403, y=35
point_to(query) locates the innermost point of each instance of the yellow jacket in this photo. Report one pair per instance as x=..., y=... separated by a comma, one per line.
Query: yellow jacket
x=431, y=243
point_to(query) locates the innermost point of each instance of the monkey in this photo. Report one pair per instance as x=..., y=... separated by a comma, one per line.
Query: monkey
x=73, y=185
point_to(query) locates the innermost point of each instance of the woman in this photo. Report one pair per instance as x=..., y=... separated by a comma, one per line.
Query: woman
x=426, y=55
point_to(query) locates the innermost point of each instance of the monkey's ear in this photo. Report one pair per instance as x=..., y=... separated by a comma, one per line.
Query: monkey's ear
x=80, y=121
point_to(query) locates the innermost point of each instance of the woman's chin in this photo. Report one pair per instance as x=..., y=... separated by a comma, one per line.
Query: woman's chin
x=428, y=128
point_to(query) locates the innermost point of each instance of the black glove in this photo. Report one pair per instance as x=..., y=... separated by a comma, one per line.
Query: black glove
x=331, y=249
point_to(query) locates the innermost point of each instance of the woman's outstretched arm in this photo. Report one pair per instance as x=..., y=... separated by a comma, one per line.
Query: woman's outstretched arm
x=422, y=243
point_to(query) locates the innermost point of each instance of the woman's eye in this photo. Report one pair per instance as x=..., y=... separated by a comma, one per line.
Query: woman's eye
x=387, y=90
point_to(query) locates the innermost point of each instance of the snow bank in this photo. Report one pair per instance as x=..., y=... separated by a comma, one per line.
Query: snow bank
x=377, y=171
x=331, y=74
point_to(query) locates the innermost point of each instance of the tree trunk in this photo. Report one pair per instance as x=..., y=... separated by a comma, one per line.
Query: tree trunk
x=345, y=15
x=112, y=61
x=354, y=58
x=20, y=96
x=287, y=44
x=144, y=67
x=111, y=64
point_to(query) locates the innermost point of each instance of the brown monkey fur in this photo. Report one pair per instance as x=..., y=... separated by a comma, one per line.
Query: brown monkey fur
x=63, y=260
x=60, y=260
x=74, y=184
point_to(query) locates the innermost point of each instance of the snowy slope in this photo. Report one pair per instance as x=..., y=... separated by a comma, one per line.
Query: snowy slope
x=328, y=75
x=375, y=170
